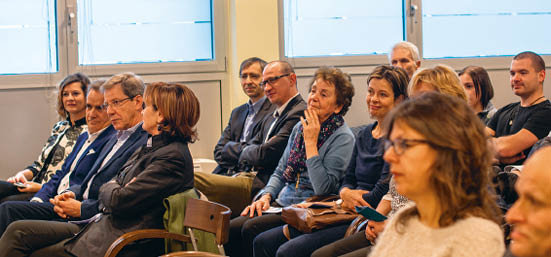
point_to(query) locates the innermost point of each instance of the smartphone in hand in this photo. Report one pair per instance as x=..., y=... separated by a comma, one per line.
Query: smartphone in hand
x=19, y=184
x=370, y=213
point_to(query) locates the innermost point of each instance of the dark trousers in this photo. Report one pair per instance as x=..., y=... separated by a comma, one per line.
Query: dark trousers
x=9, y=192
x=274, y=243
x=14, y=211
x=36, y=238
x=354, y=245
x=243, y=230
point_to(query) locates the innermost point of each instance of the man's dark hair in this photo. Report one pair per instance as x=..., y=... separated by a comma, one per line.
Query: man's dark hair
x=250, y=61
x=537, y=61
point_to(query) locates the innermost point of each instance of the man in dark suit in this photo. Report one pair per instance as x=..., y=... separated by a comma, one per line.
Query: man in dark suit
x=245, y=120
x=262, y=153
x=124, y=104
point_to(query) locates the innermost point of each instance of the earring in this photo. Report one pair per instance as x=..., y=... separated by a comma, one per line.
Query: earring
x=159, y=128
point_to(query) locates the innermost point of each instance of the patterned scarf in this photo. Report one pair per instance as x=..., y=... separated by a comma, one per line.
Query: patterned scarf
x=297, y=157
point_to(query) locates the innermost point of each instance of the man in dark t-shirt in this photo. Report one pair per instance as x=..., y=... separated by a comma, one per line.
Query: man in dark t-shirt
x=518, y=126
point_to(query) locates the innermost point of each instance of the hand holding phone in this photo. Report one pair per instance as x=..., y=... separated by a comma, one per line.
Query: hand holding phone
x=19, y=184
x=370, y=213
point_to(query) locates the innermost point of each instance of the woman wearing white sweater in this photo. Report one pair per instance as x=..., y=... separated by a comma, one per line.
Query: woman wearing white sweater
x=437, y=152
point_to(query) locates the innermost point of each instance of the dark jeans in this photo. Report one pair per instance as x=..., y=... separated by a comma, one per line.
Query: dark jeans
x=243, y=230
x=354, y=245
x=36, y=238
x=9, y=192
x=274, y=243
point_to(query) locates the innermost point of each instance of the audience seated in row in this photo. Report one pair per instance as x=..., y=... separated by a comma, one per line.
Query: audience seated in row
x=366, y=178
x=455, y=213
x=88, y=147
x=314, y=161
x=438, y=79
x=123, y=94
x=436, y=150
x=258, y=158
x=71, y=107
x=245, y=120
x=133, y=200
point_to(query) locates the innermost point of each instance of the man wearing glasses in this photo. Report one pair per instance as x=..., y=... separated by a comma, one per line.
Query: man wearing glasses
x=245, y=120
x=258, y=157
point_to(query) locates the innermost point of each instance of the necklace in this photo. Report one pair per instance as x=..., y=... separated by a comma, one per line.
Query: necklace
x=518, y=108
x=535, y=101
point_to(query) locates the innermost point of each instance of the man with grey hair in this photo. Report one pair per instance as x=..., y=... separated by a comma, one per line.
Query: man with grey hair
x=406, y=56
x=123, y=95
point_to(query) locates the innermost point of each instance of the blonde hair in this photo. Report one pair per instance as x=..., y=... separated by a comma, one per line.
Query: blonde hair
x=442, y=78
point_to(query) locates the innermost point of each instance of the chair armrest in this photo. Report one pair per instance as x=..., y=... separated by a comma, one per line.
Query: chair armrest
x=191, y=254
x=358, y=224
x=130, y=237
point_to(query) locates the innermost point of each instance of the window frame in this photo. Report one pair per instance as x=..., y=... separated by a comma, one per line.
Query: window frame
x=413, y=24
x=309, y=62
x=67, y=43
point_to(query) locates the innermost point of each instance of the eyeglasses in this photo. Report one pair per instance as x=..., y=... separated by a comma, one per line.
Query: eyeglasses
x=116, y=103
x=401, y=145
x=273, y=80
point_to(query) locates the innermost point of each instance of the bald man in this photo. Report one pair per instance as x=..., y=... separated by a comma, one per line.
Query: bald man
x=531, y=235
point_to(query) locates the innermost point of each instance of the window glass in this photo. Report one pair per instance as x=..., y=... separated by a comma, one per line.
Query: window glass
x=28, y=42
x=144, y=31
x=472, y=28
x=345, y=27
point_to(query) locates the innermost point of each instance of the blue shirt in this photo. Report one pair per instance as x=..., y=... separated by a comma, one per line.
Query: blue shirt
x=324, y=171
x=253, y=109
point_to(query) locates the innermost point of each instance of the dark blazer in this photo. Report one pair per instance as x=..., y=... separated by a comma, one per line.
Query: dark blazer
x=90, y=206
x=223, y=151
x=82, y=167
x=164, y=169
x=264, y=156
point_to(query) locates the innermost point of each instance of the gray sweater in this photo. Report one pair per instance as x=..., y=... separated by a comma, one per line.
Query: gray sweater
x=472, y=236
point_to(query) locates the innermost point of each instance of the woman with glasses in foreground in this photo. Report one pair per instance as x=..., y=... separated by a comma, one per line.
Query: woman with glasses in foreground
x=439, y=159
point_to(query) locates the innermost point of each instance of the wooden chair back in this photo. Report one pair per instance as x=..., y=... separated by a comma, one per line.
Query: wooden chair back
x=208, y=216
